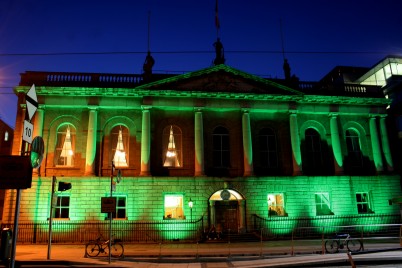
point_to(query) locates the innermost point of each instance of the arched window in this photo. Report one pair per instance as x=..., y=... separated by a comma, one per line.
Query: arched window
x=65, y=145
x=172, y=146
x=313, y=159
x=268, y=148
x=119, y=138
x=6, y=136
x=221, y=148
x=355, y=158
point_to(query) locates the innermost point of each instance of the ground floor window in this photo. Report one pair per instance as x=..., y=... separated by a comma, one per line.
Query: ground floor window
x=323, y=204
x=120, y=208
x=62, y=207
x=276, y=205
x=173, y=206
x=363, y=203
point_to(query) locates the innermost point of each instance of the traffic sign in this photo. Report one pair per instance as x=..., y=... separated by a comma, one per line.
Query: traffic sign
x=31, y=101
x=27, y=132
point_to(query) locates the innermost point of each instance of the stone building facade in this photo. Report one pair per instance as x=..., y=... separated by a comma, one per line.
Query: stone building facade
x=236, y=145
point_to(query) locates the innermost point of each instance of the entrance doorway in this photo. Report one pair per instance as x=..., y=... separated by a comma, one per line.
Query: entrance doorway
x=227, y=211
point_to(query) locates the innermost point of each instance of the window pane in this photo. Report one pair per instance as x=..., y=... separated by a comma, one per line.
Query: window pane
x=172, y=146
x=276, y=205
x=119, y=137
x=65, y=145
x=174, y=207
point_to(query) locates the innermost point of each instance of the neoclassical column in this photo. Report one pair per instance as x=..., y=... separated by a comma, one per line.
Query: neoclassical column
x=199, y=143
x=385, y=144
x=295, y=141
x=91, y=141
x=146, y=142
x=38, y=130
x=247, y=144
x=375, y=144
x=336, y=144
x=212, y=212
x=242, y=216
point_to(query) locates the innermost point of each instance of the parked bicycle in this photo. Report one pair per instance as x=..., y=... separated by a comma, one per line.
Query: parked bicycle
x=101, y=246
x=340, y=241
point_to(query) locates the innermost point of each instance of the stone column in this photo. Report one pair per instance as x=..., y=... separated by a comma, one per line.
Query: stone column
x=247, y=145
x=295, y=140
x=385, y=144
x=336, y=144
x=212, y=212
x=146, y=142
x=199, y=143
x=375, y=143
x=242, y=216
x=91, y=141
x=38, y=131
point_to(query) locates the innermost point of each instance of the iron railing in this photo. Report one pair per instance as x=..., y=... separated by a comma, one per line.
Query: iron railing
x=128, y=231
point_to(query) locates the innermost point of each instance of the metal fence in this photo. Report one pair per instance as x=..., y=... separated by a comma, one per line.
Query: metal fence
x=369, y=225
x=128, y=231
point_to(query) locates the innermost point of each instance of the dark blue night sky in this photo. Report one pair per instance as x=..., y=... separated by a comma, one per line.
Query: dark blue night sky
x=317, y=36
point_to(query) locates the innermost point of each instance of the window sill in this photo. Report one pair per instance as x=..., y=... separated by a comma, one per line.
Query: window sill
x=59, y=219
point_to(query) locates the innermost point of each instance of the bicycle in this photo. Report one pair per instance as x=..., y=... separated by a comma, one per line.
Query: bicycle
x=340, y=241
x=101, y=245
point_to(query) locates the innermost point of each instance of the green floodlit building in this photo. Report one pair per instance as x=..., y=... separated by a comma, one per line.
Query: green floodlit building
x=248, y=152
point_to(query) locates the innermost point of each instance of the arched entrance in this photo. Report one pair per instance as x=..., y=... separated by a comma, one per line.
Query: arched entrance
x=227, y=211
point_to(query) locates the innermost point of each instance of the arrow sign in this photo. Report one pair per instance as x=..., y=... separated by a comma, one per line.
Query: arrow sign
x=32, y=101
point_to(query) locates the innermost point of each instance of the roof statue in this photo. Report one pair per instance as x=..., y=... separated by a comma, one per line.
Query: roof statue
x=147, y=67
x=220, y=55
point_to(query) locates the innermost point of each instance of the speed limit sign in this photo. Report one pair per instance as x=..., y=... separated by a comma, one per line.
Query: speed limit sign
x=27, y=132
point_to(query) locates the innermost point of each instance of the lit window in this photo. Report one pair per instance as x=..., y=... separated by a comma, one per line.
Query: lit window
x=172, y=143
x=119, y=141
x=268, y=148
x=174, y=207
x=276, y=205
x=363, y=203
x=355, y=158
x=120, y=208
x=322, y=204
x=62, y=208
x=6, y=136
x=221, y=150
x=65, y=146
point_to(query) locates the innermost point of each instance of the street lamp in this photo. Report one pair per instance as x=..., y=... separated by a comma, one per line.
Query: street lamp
x=190, y=204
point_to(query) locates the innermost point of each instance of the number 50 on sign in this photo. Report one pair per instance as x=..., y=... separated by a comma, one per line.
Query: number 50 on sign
x=27, y=132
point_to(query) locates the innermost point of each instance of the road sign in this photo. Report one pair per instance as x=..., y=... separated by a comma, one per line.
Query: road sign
x=31, y=101
x=27, y=132
x=15, y=172
x=108, y=205
x=37, y=150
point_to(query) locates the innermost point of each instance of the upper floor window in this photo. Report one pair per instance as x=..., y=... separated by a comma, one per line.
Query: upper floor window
x=174, y=206
x=276, y=205
x=119, y=137
x=172, y=146
x=65, y=145
x=313, y=160
x=6, y=136
x=268, y=148
x=355, y=158
x=221, y=149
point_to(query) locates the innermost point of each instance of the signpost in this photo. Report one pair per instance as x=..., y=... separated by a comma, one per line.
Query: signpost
x=32, y=106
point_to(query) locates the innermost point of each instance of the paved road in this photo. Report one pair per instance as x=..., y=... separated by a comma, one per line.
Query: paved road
x=209, y=255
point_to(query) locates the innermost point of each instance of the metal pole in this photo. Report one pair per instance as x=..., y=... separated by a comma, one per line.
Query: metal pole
x=110, y=216
x=17, y=213
x=49, y=244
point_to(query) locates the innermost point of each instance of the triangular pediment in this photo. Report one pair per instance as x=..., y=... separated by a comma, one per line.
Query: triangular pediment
x=220, y=78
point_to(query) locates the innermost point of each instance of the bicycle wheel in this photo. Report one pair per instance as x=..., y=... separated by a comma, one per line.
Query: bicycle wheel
x=92, y=249
x=332, y=246
x=354, y=245
x=117, y=250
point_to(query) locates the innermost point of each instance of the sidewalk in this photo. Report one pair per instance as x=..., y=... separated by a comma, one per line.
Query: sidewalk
x=267, y=254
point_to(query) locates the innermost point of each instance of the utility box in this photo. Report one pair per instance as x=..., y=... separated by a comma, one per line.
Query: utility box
x=6, y=243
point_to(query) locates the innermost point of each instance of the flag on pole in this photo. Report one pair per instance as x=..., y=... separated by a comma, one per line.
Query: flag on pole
x=217, y=24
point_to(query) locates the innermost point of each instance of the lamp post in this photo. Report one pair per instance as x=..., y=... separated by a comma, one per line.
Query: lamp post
x=190, y=204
